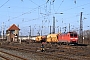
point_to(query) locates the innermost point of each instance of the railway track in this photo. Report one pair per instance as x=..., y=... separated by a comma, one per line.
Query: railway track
x=57, y=57
x=42, y=54
x=8, y=56
x=68, y=53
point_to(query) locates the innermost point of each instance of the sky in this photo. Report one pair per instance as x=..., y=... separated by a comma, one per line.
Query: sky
x=38, y=13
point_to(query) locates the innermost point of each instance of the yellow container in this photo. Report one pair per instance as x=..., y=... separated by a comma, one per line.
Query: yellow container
x=52, y=38
x=38, y=38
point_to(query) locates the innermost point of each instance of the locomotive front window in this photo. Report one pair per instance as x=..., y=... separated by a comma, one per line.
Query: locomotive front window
x=71, y=35
x=75, y=35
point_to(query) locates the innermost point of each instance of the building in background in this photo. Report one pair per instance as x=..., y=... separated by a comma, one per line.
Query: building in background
x=12, y=33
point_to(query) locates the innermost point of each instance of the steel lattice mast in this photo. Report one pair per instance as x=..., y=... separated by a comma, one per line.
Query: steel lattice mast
x=81, y=28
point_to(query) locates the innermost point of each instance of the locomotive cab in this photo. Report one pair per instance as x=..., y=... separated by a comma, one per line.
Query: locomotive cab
x=68, y=38
x=73, y=37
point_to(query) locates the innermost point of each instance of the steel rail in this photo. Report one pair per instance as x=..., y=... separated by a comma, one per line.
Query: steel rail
x=11, y=55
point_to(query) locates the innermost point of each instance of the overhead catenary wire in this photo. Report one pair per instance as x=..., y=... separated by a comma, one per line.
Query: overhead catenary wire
x=50, y=14
x=38, y=7
x=4, y=3
x=33, y=2
x=37, y=18
x=58, y=7
x=76, y=7
x=37, y=4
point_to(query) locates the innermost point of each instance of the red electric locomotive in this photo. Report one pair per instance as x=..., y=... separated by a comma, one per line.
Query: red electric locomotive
x=68, y=38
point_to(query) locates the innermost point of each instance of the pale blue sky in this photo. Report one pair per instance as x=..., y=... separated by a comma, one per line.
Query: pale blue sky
x=32, y=12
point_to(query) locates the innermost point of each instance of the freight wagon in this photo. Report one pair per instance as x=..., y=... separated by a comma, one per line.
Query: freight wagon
x=52, y=38
x=40, y=39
